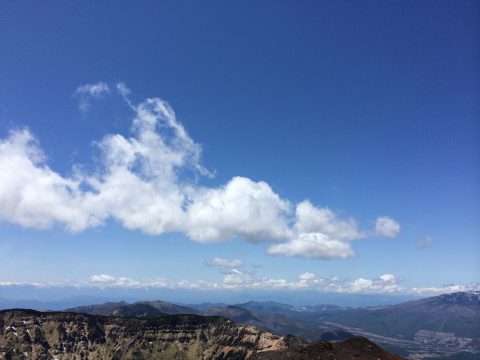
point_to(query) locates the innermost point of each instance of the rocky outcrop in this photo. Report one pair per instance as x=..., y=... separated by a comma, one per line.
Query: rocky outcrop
x=29, y=334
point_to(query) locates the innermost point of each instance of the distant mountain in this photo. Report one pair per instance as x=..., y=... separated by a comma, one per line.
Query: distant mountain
x=436, y=326
x=144, y=309
x=432, y=327
x=276, y=317
x=106, y=309
x=234, y=313
x=205, y=306
x=302, y=313
x=169, y=308
x=28, y=334
x=457, y=313
x=464, y=299
x=267, y=307
x=269, y=316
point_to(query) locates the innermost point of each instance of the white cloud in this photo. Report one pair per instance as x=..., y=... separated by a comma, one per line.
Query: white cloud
x=237, y=280
x=95, y=90
x=34, y=196
x=306, y=276
x=123, y=89
x=310, y=219
x=320, y=233
x=386, y=283
x=101, y=279
x=243, y=207
x=108, y=281
x=147, y=182
x=313, y=245
x=425, y=242
x=87, y=92
x=222, y=262
x=383, y=284
x=387, y=227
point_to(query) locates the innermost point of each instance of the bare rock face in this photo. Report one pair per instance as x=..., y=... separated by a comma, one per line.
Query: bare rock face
x=28, y=334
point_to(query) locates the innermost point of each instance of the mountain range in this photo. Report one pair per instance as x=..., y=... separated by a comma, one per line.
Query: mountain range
x=436, y=326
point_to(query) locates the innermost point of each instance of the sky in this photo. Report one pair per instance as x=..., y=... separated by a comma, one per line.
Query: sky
x=245, y=147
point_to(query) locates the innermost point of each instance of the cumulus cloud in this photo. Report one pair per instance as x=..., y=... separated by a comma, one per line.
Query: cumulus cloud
x=320, y=233
x=313, y=245
x=101, y=279
x=148, y=182
x=310, y=219
x=387, y=227
x=236, y=280
x=424, y=243
x=386, y=283
x=34, y=196
x=242, y=207
x=306, y=276
x=222, y=262
x=85, y=93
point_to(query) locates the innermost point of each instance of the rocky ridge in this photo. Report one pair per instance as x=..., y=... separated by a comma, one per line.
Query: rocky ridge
x=29, y=334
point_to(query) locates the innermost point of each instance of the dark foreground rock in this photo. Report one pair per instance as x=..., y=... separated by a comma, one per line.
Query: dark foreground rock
x=356, y=347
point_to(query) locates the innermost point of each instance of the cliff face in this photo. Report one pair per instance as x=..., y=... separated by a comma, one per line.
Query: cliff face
x=27, y=334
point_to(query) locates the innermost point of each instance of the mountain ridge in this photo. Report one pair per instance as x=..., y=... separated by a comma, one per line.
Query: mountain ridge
x=65, y=335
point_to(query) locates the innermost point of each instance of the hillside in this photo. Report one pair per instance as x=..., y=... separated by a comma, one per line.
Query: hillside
x=26, y=334
x=457, y=313
x=437, y=326
x=356, y=347
x=269, y=320
x=147, y=309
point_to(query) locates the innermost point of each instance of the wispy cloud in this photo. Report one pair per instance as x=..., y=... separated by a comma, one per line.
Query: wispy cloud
x=146, y=182
x=85, y=93
x=123, y=89
x=446, y=289
x=222, y=262
x=424, y=243
x=108, y=281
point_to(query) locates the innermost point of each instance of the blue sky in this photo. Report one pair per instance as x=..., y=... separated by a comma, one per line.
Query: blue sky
x=327, y=146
